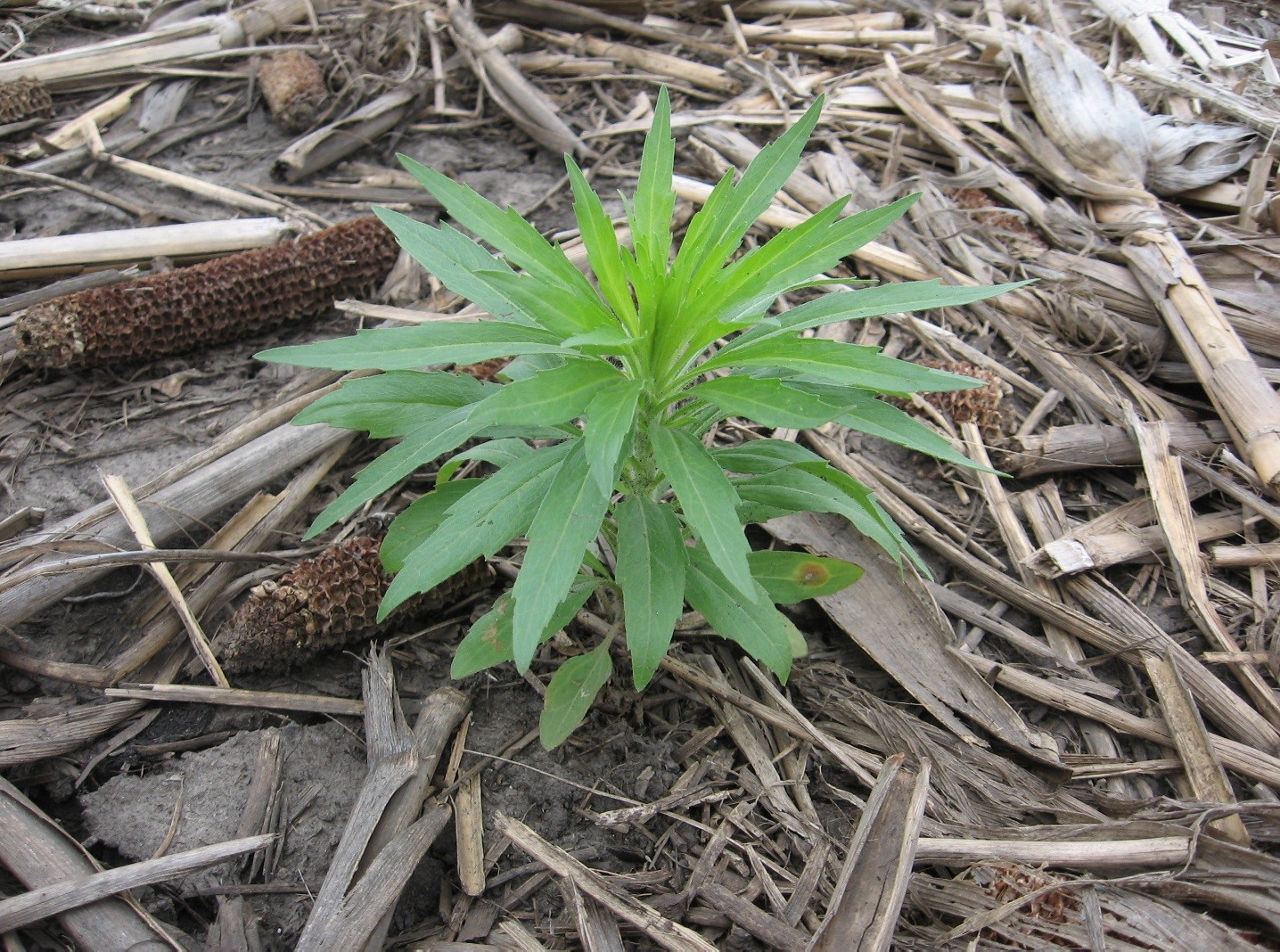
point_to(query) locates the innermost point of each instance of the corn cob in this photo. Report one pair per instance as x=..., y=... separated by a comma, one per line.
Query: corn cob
x=210, y=303
x=325, y=602
x=293, y=88
x=980, y=405
x=22, y=98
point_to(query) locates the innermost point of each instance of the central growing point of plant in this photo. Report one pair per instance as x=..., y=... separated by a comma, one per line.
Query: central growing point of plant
x=596, y=438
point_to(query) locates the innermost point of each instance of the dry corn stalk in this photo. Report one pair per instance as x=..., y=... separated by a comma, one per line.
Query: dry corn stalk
x=23, y=98
x=325, y=602
x=210, y=303
x=294, y=89
x=1103, y=130
x=529, y=108
x=186, y=39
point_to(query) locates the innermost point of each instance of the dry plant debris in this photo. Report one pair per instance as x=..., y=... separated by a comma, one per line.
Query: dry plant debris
x=1088, y=754
x=294, y=89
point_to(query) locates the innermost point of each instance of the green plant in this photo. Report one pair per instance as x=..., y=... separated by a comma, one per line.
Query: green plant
x=597, y=438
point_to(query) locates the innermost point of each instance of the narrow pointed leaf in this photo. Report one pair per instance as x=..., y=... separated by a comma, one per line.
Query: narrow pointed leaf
x=763, y=456
x=793, y=258
x=708, y=502
x=601, y=242
x=571, y=693
x=604, y=340
x=876, y=524
x=453, y=258
x=420, y=345
x=753, y=622
x=422, y=517
x=709, y=244
x=417, y=448
x=655, y=198
x=566, y=312
x=651, y=570
x=505, y=230
x=866, y=414
x=567, y=521
x=848, y=364
x=392, y=404
x=550, y=397
x=795, y=490
x=478, y=524
x=610, y=418
x=768, y=401
x=868, y=302
x=817, y=487
x=498, y=451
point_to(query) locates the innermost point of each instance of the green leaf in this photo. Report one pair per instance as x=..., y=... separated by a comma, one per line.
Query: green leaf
x=478, y=524
x=655, y=198
x=610, y=417
x=571, y=693
x=488, y=642
x=566, y=523
x=504, y=230
x=767, y=401
x=419, y=447
x=419, y=520
x=392, y=404
x=419, y=345
x=763, y=456
x=790, y=577
x=791, y=259
x=500, y=452
x=866, y=414
x=867, y=302
x=874, y=523
x=708, y=501
x=601, y=242
x=465, y=268
x=550, y=397
x=718, y=227
x=849, y=364
x=606, y=340
x=568, y=312
x=795, y=490
x=817, y=487
x=753, y=622
x=651, y=569
x=456, y=260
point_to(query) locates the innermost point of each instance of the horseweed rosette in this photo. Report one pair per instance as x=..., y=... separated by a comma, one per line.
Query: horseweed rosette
x=595, y=443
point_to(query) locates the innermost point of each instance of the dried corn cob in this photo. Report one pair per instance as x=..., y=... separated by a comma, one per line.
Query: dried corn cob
x=293, y=88
x=980, y=405
x=22, y=98
x=209, y=303
x=326, y=602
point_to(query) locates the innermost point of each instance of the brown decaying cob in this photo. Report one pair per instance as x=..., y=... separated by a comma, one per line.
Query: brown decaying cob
x=326, y=602
x=210, y=303
x=23, y=98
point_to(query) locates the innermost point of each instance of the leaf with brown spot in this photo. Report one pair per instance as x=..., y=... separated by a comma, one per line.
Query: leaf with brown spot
x=791, y=577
